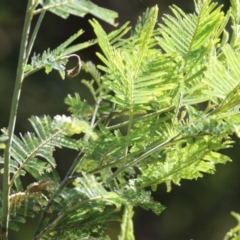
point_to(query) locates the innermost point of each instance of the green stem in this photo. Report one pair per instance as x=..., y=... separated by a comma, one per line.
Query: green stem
x=143, y=156
x=12, y=120
x=34, y=34
x=149, y=115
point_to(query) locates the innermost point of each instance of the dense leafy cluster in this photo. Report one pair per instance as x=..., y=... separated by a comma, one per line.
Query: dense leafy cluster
x=177, y=86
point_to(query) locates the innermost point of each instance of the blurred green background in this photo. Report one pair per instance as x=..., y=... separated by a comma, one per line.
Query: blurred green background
x=198, y=210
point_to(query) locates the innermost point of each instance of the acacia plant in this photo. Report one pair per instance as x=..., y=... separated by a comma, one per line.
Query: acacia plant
x=177, y=86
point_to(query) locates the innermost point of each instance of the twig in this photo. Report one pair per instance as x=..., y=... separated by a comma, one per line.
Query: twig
x=67, y=177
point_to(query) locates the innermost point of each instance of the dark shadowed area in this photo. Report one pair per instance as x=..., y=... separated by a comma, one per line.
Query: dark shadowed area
x=198, y=210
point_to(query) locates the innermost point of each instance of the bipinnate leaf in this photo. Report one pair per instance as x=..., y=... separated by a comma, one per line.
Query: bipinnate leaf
x=64, y=8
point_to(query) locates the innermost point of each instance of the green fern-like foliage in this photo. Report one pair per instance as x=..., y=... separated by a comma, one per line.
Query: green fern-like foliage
x=84, y=209
x=161, y=73
x=57, y=58
x=32, y=153
x=155, y=79
x=166, y=101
